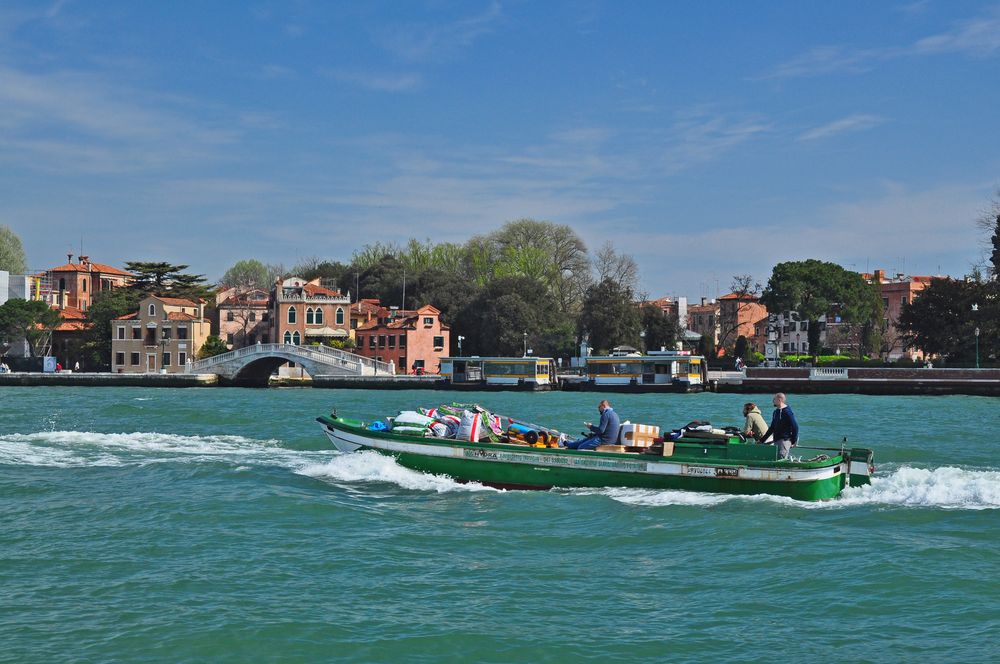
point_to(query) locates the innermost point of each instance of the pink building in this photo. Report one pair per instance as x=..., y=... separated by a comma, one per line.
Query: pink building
x=304, y=312
x=896, y=291
x=415, y=341
x=739, y=314
x=244, y=316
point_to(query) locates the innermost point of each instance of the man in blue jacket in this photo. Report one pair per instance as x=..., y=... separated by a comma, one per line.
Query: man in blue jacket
x=783, y=427
x=603, y=433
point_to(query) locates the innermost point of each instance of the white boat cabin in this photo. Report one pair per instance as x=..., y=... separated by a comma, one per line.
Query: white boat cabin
x=499, y=370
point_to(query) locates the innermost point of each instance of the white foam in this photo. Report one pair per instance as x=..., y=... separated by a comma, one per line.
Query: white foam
x=375, y=467
x=84, y=448
x=943, y=488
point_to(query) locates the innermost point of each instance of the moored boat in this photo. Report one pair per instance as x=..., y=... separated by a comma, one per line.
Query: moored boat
x=694, y=461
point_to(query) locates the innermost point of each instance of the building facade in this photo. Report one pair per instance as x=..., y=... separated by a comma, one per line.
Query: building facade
x=703, y=319
x=243, y=317
x=304, y=312
x=896, y=291
x=164, y=335
x=74, y=284
x=739, y=314
x=414, y=341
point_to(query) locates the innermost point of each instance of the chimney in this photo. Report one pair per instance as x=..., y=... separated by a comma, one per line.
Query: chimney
x=879, y=276
x=201, y=310
x=84, y=260
x=69, y=258
x=704, y=301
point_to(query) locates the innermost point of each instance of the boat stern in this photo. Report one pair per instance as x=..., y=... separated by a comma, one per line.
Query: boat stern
x=861, y=466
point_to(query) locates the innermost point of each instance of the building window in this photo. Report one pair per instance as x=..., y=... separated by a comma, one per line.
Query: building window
x=340, y=315
x=166, y=334
x=134, y=359
x=166, y=360
x=381, y=341
x=182, y=359
x=182, y=333
x=62, y=283
x=253, y=316
x=428, y=321
x=120, y=359
x=230, y=316
x=309, y=317
x=392, y=341
x=438, y=343
x=288, y=337
x=885, y=301
x=84, y=285
x=152, y=309
x=291, y=315
x=121, y=332
x=354, y=323
x=137, y=333
x=230, y=337
x=371, y=341
x=296, y=339
x=804, y=325
x=784, y=347
x=319, y=316
x=402, y=340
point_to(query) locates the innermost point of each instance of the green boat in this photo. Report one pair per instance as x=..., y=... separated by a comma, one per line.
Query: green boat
x=726, y=464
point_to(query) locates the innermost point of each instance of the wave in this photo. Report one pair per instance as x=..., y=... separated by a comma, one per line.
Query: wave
x=943, y=488
x=375, y=467
x=87, y=448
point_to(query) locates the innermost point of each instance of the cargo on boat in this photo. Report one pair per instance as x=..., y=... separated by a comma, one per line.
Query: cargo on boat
x=506, y=453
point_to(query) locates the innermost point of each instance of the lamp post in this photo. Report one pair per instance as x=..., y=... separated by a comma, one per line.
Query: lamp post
x=975, y=309
x=525, y=344
x=460, y=340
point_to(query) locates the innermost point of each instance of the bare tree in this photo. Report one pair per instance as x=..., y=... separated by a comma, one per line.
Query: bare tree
x=734, y=310
x=620, y=268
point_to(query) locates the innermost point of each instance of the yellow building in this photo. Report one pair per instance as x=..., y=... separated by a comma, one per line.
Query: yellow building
x=164, y=335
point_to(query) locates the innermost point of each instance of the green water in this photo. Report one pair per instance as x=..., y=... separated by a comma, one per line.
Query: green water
x=197, y=525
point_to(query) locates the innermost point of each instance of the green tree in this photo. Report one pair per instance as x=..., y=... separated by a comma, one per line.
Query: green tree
x=166, y=280
x=661, y=329
x=12, y=258
x=213, y=346
x=505, y=310
x=706, y=346
x=245, y=274
x=942, y=321
x=995, y=254
x=814, y=288
x=609, y=317
x=742, y=347
x=105, y=306
x=31, y=320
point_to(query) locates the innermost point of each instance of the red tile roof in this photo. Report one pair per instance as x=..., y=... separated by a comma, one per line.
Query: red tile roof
x=91, y=267
x=130, y=316
x=177, y=315
x=313, y=289
x=176, y=301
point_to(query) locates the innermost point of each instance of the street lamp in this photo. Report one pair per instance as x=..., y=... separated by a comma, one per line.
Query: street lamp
x=525, y=344
x=975, y=309
x=460, y=340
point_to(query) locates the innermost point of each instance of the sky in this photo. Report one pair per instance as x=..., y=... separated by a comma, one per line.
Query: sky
x=705, y=139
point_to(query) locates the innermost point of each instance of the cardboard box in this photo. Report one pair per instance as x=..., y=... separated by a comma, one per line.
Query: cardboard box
x=639, y=435
x=668, y=448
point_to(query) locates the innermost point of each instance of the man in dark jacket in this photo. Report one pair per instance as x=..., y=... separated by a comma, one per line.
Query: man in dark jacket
x=783, y=427
x=603, y=433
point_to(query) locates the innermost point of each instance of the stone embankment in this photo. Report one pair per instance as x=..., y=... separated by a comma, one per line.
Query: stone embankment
x=108, y=379
x=861, y=380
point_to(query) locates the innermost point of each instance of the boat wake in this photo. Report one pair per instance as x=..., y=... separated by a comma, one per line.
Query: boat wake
x=374, y=467
x=943, y=488
x=65, y=449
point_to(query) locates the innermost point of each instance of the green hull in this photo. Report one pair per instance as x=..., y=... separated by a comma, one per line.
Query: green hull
x=694, y=466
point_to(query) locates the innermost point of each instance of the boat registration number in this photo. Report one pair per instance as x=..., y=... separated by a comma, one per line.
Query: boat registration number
x=705, y=471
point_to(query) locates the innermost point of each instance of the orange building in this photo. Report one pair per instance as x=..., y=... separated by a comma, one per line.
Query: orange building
x=415, y=341
x=739, y=314
x=896, y=291
x=74, y=284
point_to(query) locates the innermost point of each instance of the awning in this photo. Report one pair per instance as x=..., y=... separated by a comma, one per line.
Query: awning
x=327, y=332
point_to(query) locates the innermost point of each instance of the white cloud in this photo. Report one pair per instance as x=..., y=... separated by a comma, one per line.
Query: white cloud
x=851, y=123
x=979, y=37
x=436, y=41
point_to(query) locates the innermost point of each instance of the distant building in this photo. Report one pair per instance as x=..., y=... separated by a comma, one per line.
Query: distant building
x=365, y=311
x=703, y=319
x=738, y=315
x=74, y=284
x=304, y=312
x=165, y=334
x=415, y=341
x=243, y=316
x=67, y=338
x=896, y=291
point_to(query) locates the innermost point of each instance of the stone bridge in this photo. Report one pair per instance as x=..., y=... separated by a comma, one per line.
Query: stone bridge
x=253, y=365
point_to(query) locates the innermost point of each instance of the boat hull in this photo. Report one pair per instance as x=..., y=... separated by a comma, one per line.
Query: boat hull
x=510, y=466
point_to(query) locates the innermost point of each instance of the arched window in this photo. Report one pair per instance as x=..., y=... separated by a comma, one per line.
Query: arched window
x=288, y=337
x=152, y=309
x=291, y=315
x=296, y=339
x=309, y=316
x=62, y=283
x=84, y=284
x=340, y=315
x=319, y=316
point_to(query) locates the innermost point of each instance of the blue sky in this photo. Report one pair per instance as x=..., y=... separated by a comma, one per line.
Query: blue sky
x=706, y=139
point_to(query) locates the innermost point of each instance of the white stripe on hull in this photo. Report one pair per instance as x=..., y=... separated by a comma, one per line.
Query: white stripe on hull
x=349, y=442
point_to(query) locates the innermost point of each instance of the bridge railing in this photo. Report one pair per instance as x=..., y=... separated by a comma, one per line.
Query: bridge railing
x=321, y=354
